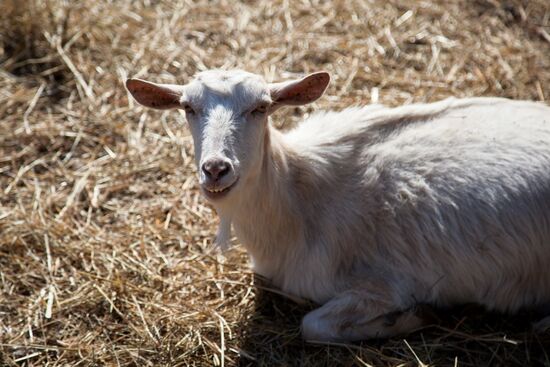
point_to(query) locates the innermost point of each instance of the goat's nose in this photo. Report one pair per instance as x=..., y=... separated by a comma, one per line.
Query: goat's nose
x=216, y=168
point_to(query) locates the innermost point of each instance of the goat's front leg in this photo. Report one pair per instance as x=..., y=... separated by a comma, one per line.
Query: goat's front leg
x=358, y=315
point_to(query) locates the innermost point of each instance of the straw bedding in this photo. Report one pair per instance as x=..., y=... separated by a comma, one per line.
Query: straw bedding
x=105, y=255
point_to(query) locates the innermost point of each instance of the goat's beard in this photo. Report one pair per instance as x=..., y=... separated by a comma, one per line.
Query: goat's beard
x=223, y=237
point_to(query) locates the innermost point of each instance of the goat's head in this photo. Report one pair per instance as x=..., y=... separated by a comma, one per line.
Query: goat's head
x=227, y=113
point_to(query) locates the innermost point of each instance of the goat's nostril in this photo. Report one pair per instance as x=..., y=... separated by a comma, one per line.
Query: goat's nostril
x=224, y=170
x=216, y=168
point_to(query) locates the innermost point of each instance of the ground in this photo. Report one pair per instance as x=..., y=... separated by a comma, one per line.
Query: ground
x=105, y=242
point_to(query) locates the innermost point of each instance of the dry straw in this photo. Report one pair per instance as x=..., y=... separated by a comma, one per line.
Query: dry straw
x=104, y=238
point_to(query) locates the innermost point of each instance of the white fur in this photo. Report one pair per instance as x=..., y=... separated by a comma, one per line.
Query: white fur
x=372, y=211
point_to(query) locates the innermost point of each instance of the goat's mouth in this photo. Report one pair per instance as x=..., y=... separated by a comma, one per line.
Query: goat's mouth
x=215, y=192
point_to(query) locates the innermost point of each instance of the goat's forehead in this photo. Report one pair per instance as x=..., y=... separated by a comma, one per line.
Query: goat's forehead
x=228, y=76
x=239, y=85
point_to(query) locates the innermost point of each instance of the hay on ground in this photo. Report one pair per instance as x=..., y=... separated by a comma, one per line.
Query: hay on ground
x=104, y=238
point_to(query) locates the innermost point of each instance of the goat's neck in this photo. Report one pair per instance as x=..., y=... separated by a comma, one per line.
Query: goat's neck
x=268, y=221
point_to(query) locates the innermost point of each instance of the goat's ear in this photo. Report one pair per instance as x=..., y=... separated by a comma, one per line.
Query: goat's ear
x=159, y=96
x=301, y=91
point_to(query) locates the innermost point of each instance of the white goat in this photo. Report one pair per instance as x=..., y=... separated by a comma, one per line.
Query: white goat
x=371, y=211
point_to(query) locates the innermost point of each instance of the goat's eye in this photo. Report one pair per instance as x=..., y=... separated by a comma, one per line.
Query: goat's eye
x=188, y=109
x=260, y=110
